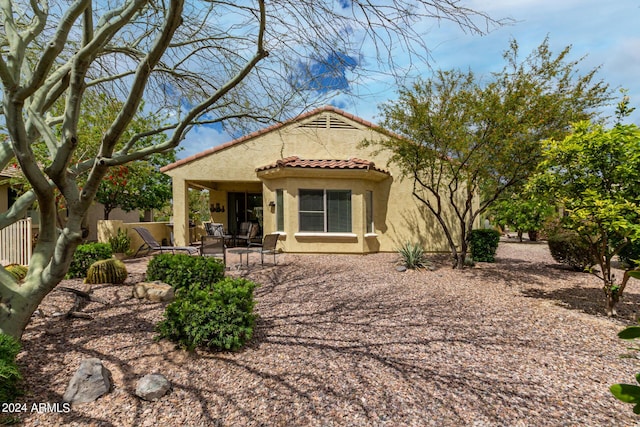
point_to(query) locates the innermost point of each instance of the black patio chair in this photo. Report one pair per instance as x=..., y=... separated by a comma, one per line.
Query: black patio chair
x=268, y=247
x=151, y=244
x=213, y=246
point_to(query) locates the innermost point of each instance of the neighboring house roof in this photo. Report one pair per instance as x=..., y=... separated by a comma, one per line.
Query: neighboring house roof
x=10, y=172
x=297, y=162
x=327, y=108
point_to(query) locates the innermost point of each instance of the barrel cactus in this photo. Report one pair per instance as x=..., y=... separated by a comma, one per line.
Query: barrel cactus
x=107, y=271
x=18, y=271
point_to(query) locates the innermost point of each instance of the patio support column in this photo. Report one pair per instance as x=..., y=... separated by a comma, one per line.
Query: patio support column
x=180, y=212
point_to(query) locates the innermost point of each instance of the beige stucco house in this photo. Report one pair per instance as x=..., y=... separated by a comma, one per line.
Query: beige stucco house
x=309, y=180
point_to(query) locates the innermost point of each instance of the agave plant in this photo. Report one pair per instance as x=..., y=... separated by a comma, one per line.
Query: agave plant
x=413, y=256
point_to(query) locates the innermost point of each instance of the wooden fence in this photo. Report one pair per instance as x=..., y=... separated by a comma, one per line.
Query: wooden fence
x=15, y=243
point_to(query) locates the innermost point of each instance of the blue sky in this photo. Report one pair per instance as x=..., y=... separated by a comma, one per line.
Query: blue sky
x=607, y=34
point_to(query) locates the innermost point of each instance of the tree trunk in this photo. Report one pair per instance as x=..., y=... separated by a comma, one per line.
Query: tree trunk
x=612, y=299
x=17, y=304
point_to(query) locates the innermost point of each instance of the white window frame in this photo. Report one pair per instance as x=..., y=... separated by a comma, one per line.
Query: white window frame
x=370, y=228
x=324, y=213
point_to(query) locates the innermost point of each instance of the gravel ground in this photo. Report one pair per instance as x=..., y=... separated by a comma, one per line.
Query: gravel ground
x=349, y=341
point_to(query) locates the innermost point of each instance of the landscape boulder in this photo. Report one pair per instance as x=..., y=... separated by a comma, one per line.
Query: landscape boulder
x=152, y=387
x=90, y=381
x=153, y=291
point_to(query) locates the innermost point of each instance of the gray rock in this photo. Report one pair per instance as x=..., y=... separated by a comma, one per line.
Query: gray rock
x=401, y=268
x=153, y=291
x=152, y=387
x=90, y=381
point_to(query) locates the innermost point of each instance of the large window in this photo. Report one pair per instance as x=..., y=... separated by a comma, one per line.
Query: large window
x=327, y=211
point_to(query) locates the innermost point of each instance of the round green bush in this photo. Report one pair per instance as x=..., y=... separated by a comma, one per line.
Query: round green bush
x=483, y=244
x=215, y=317
x=568, y=248
x=630, y=254
x=183, y=271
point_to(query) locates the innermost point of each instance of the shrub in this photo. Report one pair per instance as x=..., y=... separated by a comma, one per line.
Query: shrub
x=568, y=248
x=183, y=271
x=483, y=244
x=630, y=254
x=86, y=255
x=9, y=373
x=18, y=271
x=413, y=255
x=107, y=271
x=121, y=242
x=216, y=317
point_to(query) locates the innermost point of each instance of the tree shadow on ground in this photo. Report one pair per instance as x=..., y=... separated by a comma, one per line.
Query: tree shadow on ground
x=347, y=335
x=589, y=300
x=320, y=347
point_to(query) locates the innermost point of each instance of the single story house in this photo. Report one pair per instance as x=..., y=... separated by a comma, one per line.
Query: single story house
x=310, y=180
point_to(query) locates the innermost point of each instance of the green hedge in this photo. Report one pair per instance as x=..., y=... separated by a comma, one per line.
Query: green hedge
x=183, y=271
x=85, y=255
x=216, y=317
x=630, y=254
x=568, y=248
x=9, y=373
x=483, y=244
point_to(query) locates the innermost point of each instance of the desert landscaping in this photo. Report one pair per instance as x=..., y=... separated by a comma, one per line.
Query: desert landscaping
x=349, y=340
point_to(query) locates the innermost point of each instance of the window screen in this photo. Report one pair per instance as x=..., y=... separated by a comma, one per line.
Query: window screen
x=325, y=211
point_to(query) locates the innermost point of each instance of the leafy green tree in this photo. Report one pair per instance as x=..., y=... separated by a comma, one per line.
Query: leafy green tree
x=594, y=173
x=139, y=185
x=523, y=212
x=464, y=143
x=199, y=206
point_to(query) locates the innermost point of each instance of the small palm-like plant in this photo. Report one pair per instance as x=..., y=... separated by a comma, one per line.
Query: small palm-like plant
x=121, y=242
x=413, y=256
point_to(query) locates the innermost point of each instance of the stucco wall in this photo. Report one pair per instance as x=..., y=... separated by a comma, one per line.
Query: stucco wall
x=108, y=228
x=398, y=216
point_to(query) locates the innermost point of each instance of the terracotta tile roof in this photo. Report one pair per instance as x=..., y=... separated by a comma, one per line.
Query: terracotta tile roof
x=297, y=162
x=327, y=108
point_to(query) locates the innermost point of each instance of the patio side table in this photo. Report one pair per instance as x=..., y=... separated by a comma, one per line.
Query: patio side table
x=242, y=251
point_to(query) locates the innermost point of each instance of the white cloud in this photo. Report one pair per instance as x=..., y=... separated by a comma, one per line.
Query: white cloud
x=202, y=138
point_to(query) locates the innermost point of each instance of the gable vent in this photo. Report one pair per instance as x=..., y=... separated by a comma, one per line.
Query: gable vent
x=326, y=121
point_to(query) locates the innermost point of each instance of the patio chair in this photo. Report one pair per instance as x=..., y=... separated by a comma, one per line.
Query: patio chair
x=214, y=229
x=268, y=246
x=244, y=228
x=251, y=233
x=213, y=246
x=151, y=244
